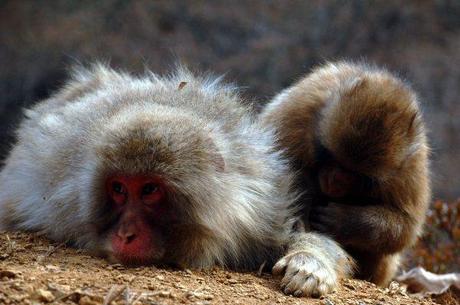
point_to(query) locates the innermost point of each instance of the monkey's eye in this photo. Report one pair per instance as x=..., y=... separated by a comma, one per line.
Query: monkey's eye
x=151, y=194
x=118, y=188
x=149, y=189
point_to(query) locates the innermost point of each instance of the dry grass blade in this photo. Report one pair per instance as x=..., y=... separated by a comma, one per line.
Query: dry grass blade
x=53, y=249
x=261, y=268
x=113, y=293
x=131, y=297
x=11, y=245
x=182, y=85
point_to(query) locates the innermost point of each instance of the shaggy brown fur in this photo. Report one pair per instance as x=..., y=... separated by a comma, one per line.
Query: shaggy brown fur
x=368, y=122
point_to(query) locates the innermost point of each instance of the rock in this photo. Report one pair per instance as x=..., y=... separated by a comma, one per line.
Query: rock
x=86, y=300
x=7, y=274
x=42, y=295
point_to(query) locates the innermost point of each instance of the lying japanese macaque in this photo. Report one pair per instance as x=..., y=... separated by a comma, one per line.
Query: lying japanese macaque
x=356, y=134
x=161, y=170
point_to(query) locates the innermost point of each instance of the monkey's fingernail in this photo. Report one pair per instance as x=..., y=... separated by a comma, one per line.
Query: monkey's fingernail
x=298, y=293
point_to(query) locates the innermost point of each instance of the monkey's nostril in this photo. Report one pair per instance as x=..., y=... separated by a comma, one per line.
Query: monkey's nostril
x=126, y=237
x=130, y=238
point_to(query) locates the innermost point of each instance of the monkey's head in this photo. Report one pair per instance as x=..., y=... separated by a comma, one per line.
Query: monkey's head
x=151, y=201
x=373, y=125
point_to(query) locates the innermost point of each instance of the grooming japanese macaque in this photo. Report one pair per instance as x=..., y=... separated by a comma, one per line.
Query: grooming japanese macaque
x=356, y=135
x=163, y=170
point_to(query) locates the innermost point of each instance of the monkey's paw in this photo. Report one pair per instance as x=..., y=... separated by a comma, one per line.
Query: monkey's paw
x=305, y=274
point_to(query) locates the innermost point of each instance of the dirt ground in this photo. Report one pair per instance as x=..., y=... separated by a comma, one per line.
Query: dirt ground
x=34, y=271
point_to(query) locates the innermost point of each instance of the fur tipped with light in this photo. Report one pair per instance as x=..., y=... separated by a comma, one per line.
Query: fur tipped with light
x=192, y=129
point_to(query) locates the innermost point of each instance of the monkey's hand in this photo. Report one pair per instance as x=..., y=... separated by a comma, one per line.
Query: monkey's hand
x=370, y=228
x=313, y=265
x=337, y=220
x=305, y=275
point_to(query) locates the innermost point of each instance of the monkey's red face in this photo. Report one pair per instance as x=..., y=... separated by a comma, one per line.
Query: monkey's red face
x=138, y=237
x=336, y=182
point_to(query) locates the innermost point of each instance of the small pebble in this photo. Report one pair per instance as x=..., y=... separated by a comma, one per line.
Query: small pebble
x=43, y=295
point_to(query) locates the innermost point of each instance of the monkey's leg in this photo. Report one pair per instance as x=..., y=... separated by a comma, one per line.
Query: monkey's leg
x=378, y=269
x=313, y=265
x=374, y=229
x=386, y=270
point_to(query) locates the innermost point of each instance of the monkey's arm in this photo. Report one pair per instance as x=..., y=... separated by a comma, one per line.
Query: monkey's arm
x=313, y=265
x=372, y=227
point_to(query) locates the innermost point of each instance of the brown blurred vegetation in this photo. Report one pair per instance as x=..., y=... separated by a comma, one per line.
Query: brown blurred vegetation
x=263, y=46
x=439, y=248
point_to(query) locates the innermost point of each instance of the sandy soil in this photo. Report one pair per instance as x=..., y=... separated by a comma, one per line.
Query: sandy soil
x=34, y=271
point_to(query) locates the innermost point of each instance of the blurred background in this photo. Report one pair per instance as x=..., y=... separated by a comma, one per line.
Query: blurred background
x=262, y=45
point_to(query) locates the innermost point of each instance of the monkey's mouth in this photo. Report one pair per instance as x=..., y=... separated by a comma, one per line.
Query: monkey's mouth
x=137, y=252
x=135, y=260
